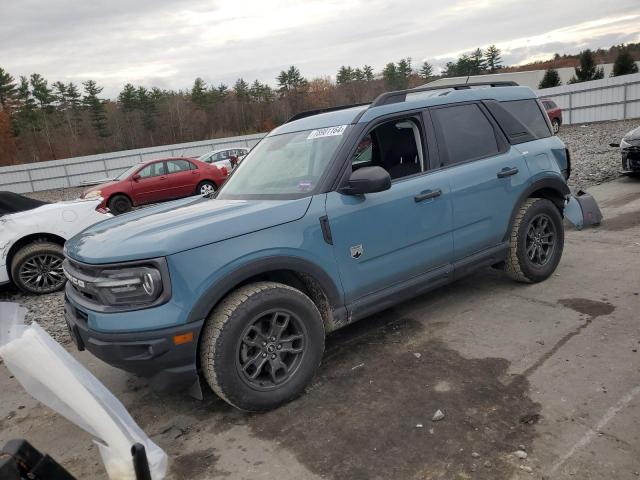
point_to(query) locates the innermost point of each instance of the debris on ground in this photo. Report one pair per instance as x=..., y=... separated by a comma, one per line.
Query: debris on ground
x=439, y=415
x=419, y=425
x=360, y=365
x=521, y=454
x=475, y=454
x=525, y=468
x=417, y=355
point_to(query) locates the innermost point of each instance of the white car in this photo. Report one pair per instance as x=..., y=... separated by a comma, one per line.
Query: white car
x=227, y=158
x=32, y=234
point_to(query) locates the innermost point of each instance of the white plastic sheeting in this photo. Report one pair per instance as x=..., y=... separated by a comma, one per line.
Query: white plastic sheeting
x=52, y=376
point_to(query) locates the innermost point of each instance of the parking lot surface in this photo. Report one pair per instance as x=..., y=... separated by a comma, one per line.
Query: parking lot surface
x=551, y=368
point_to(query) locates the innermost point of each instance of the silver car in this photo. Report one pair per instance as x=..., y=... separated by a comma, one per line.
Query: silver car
x=227, y=158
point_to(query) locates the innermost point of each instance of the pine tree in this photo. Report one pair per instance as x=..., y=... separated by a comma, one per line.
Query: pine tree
x=623, y=65
x=588, y=70
x=95, y=105
x=551, y=79
x=344, y=75
x=367, y=70
x=358, y=75
x=478, y=61
x=199, y=93
x=45, y=98
x=404, y=72
x=390, y=76
x=493, y=58
x=241, y=90
x=426, y=71
x=147, y=106
x=128, y=98
x=8, y=89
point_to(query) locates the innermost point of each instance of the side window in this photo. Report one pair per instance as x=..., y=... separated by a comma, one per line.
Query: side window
x=529, y=113
x=152, y=170
x=395, y=146
x=465, y=132
x=175, y=166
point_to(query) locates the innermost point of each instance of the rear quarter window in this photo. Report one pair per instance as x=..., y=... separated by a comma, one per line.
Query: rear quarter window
x=529, y=114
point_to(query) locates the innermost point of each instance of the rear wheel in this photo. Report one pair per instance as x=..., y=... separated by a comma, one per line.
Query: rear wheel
x=205, y=188
x=261, y=346
x=555, y=123
x=119, y=204
x=536, y=242
x=37, y=268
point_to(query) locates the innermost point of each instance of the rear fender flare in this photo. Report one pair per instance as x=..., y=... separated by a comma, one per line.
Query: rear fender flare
x=554, y=183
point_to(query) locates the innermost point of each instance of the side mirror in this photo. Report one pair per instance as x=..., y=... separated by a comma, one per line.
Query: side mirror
x=367, y=180
x=135, y=178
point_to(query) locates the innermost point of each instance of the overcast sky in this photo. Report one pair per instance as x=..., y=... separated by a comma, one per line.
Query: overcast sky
x=167, y=43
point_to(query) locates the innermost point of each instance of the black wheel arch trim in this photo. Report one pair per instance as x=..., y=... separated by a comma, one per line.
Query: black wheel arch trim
x=554, y=183
x=210, y=298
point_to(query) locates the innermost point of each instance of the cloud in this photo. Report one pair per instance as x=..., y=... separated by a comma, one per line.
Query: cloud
x=168, y=43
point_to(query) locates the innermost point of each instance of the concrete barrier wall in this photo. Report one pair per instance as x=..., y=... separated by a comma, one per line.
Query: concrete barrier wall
x=70, y=172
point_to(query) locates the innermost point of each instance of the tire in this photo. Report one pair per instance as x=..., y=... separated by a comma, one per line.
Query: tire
x=37, y=268
x=119, y=204
x=555, y=123
x=237, y=342
x=205, y=188
x=529, y=237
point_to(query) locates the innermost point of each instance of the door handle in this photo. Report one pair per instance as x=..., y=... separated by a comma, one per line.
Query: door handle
x=427, y=195
x=162, y=177
x=507, y=172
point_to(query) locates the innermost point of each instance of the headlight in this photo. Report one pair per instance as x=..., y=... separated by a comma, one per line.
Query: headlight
x=93, y=194
x=130, y=286
x=120, y=288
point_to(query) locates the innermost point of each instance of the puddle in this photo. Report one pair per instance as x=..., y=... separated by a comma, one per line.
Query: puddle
x=361, y=424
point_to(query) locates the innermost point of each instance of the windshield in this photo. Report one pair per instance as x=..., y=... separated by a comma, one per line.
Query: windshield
x=204, y=157
x=290, y=164
x=127, y=172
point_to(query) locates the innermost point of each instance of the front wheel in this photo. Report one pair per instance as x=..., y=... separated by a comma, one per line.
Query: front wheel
x=536, y=241
x=37, y=268
x=119, y=204
x=261, y=346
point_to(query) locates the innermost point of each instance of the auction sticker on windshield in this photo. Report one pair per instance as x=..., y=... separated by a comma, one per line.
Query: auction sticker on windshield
x=327, y=132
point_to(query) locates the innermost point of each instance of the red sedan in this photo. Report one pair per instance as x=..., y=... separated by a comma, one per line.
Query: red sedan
x=157, y=181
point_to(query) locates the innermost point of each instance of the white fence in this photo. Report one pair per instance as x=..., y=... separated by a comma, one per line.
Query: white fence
x=69, y=172
x=613, y=98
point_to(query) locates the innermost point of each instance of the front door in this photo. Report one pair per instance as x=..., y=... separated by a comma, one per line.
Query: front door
x=151, y=184
x=388, y=240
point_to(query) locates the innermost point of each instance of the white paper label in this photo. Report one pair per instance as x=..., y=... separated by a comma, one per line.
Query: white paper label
x=327, y=132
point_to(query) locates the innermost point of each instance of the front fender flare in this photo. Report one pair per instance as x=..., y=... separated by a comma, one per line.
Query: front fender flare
x=221, y=287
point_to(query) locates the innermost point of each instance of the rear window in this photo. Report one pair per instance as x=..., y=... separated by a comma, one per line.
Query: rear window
x=467, y=133
x=529, y=114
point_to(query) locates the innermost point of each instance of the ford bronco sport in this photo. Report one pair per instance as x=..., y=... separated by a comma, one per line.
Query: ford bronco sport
x=333, y=216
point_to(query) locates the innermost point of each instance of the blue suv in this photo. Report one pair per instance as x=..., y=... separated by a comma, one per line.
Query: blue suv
x=333, y=216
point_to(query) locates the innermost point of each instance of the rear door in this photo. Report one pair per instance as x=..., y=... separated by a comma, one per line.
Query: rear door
x=486, y=175
x=151, y=186
x=182, y=178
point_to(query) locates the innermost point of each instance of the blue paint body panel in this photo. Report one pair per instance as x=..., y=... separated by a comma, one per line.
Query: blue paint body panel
x=365, y=246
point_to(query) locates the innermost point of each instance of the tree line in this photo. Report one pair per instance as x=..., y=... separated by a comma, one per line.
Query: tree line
x=40, y=120
x=588, y=69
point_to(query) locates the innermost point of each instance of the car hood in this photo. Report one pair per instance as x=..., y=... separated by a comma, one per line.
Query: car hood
x=101, y=186
x=177, y=226
x=633, y=137
x=46, y=211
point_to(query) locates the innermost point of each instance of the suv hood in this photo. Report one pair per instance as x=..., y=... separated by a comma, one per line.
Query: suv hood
x=177, y=226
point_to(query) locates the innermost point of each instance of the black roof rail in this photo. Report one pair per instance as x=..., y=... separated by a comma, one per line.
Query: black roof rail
x=401, y=95
x=310, y=113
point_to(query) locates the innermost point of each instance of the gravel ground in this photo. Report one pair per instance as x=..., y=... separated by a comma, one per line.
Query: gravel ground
x=593, y=162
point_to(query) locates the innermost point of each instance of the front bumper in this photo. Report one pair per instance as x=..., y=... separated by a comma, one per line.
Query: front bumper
x=631, y=160
x=156, y=354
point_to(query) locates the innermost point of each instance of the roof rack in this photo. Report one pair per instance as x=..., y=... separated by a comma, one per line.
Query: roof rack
x=309, y=113
x=401, y=95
